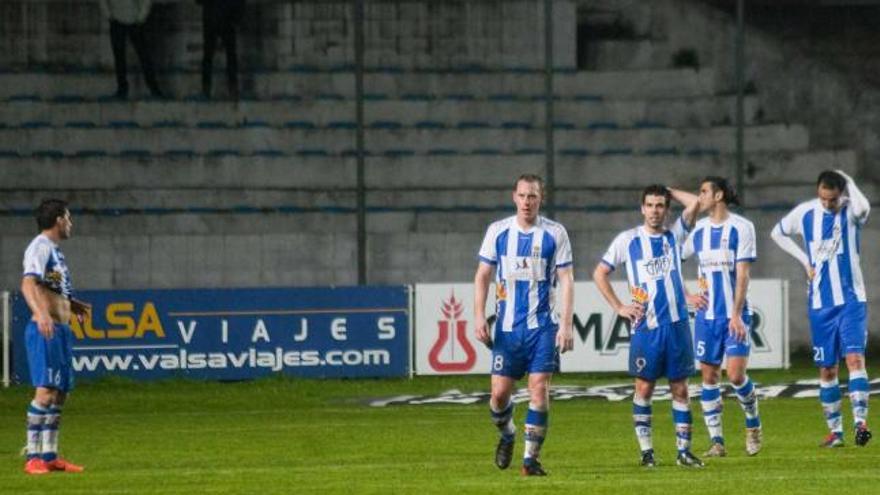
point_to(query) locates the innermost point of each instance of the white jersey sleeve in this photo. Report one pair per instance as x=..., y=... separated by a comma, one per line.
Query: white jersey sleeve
x=791, y=224
x=36, y=257
x=616, y=253
x=563, y=249
x=687, y=249
x=746, y=249
x=488, y=250
x=679, y=230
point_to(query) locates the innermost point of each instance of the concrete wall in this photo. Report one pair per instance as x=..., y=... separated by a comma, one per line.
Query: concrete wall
x=285, y=34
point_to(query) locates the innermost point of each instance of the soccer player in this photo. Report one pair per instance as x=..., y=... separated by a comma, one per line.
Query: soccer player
x=725, y=247
x=661, y=342
x=530, y=255
x=830, y=226
x=47, y=289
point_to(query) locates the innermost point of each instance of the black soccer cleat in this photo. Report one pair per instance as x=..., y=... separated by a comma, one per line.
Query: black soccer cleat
x=863, y=434
x=648, y=459
x=504, y=452
x=532, y=467
x=689, y=460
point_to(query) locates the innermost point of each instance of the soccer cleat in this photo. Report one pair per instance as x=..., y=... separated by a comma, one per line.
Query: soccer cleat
x=60, y=464
x=753, y=440
x=863, y=434
x=36, y=466
x=504, y=452
x=832, y=440
x=716, y=450
x=531, y=467
x=686, y=459
x=648, y=459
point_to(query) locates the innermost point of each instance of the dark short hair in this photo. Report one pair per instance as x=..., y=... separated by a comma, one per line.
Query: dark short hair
x=829, y=179
x=535, y=178
x=49, y=211
x=721, y=184
x=657, y=190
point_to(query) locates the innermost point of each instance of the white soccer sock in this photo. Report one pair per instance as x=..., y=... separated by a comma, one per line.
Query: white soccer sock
x=36, y=419
x=503, y=419
x=536, y=430
x=748, y=400
x=829, y=395
x=50, y=434
x=710, y=401
x=858, y=396
x=642, y=414
x=681, y=416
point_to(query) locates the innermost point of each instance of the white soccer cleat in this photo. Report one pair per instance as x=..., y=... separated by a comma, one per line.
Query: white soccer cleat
x=753, y=440
x=716, y=450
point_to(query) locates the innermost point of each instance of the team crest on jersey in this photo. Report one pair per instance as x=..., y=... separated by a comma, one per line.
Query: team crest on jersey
x=703, y=285
x=639, y=295
x=500, y=291
x=54, y=277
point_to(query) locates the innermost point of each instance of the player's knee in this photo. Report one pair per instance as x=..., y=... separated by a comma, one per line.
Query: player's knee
x=855, y=362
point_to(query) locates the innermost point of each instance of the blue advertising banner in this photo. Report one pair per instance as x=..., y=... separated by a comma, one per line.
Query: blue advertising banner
x=235, y=334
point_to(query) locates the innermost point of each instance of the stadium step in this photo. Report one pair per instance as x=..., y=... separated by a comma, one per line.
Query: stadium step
x=669, y=83
x=700, y=111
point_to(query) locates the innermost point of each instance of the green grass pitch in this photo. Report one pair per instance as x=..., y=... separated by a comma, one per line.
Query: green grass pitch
x=301, y=436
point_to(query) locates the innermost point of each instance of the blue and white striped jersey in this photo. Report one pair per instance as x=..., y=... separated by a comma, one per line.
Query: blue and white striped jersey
x=832, y=246
x=525, y=271
x=44, y=261
x=653, y=267
x=719, y=248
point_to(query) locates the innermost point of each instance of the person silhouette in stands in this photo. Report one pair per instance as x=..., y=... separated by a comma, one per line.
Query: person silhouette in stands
x=127, y=18
x=220, y=18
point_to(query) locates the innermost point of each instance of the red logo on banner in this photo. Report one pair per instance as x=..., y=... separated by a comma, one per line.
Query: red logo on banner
x=452, y=322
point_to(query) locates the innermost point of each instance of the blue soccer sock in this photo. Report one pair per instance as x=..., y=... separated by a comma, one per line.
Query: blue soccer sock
x=829, y=395
x=642, y=414
x=710, y=401
x=858, y=396
x=36, y=419
x=748, y=400
x=50, y=433
x=503, y=420
x=536, y=430
x=681, y=416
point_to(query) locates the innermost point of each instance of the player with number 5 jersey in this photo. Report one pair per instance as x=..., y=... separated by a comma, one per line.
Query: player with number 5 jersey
x=661, y=344
x=530, y=256
x=830, y=226
x=724, y=246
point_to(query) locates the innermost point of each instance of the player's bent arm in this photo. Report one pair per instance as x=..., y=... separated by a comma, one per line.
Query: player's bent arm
x=789, y=246
x=690, y=202
x=601, y=277
x=861, y=207
x=39, y=305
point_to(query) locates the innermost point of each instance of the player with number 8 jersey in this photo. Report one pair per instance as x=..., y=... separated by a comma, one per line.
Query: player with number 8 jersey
x=530, y=256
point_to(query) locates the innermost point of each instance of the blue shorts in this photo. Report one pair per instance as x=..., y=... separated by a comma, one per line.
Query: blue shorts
x=533, y=351
x=50, y=361
x=713, y=339
x=664, y=351
x=838, y=331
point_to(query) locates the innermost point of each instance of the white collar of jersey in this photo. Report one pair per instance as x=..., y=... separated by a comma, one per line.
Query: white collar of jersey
x=44, y=236
x=530, y=229
x=643, y=230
